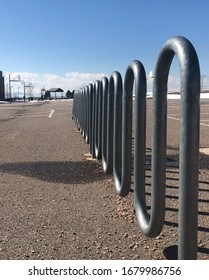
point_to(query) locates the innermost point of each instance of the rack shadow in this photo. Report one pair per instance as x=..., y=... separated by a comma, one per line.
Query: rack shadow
x=77, y=172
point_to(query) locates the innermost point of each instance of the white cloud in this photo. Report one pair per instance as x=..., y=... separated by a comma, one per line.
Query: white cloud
x=77, y=80
x=71, y=81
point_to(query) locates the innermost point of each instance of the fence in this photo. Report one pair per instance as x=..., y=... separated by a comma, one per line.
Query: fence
x=103, y=112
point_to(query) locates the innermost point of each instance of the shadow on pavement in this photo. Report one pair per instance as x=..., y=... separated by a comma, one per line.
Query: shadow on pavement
x=57, y=171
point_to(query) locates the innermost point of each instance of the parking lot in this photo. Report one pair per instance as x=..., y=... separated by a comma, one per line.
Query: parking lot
x=57, y=205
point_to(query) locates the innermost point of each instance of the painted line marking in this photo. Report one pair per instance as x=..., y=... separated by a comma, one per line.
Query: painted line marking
x=204, y=151
x=172, y=118
x=51, y=113
x=204, y=124
x=177, y=119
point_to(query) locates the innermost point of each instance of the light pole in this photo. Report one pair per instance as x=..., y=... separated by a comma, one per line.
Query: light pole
x=25, y=86
x=202, y=80
x=23, y=82
x=18, y=92
x=17, y=80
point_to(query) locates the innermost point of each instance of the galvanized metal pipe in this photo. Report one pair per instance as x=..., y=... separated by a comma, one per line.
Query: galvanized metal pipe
x=121, y=137
x=189, y=148
x=90, y=109
x=87, y=97
x=107, y=126
x=103, y=133
x=97, y=115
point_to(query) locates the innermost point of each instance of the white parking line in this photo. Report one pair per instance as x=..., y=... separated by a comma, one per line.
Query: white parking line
x=204, y=124
x=172, y=118
x=177, y=119
x=51, y=113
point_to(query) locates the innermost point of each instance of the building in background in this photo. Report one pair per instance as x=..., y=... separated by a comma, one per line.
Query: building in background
x=2, y=90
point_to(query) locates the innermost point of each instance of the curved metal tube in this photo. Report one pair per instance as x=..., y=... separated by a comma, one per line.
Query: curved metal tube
x=103, y=114
x=87, y=97
x=83, y=114
x=97, y=119
x=90, y=114
x=189, y=148
x=78, y=109
x=121, y=138
x=90, y=117
x=107, y=126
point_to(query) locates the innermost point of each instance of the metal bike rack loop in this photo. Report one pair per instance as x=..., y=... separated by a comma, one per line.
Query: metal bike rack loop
x=123, y=124
x=107, y=126
x=103, y=114
x=87, y=113
x=97, y=120
x=90, y=119
x=189, y=148
x=121, y=146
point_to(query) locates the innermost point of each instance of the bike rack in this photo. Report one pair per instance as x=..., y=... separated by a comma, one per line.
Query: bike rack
x=103, y=113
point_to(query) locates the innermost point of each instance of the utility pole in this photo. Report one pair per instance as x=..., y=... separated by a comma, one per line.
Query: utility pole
x=24, y=86
x=17, y=79
x=202, y=80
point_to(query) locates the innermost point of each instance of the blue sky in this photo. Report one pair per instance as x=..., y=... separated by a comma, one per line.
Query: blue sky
x=67, y=43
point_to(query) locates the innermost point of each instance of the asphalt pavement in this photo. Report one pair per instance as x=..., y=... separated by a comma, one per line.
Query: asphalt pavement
x=56, y=204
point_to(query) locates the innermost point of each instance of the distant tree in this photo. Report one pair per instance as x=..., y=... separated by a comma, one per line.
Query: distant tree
x=47, y=95
x=69, y=94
